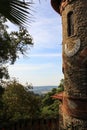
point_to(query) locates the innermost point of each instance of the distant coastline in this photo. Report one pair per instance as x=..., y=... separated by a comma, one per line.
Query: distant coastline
x=42, y=89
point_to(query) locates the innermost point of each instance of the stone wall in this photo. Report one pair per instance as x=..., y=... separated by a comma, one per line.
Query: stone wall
x=75, y=64
x=74, y=53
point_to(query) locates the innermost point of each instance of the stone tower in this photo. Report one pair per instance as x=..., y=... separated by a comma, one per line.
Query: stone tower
x=74, y=51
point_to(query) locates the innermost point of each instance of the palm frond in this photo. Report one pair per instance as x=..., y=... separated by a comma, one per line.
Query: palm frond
x=16, y=11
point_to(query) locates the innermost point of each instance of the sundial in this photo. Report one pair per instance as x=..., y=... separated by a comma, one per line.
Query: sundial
x=72, y=47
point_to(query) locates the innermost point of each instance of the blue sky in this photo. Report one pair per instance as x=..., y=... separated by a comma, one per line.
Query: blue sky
x=42, y=65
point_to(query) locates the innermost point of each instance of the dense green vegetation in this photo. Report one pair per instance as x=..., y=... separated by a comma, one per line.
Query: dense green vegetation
x=50, y=106
x=18, y=102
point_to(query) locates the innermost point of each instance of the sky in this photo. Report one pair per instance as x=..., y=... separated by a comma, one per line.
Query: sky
x=42, y=65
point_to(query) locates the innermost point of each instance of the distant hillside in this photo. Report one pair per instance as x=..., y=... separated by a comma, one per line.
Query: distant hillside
x=42, y=89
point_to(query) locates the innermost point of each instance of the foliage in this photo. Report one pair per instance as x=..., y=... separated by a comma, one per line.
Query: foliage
x=1, y=93
x=61, y=86
x=15, y=100
x=19, y=103
x=4, y=72
x=11, y=45
x=16, y=11
x=50, y=106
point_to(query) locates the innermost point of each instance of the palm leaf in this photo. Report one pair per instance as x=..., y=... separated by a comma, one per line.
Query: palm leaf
x=16, y=11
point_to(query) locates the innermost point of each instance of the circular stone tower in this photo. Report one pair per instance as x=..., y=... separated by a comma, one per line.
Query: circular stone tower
x=74, y=30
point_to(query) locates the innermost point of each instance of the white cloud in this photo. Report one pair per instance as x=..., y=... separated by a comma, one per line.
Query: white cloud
x=46, y=30
x=46, y=33
x=46, y=55
x=29, y=67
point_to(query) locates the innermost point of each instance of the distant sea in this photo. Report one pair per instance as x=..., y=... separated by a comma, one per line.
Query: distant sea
x=42, y=89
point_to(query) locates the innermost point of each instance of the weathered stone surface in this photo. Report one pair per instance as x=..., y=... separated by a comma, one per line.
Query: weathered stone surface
x=75, y=66
x=74, y=26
